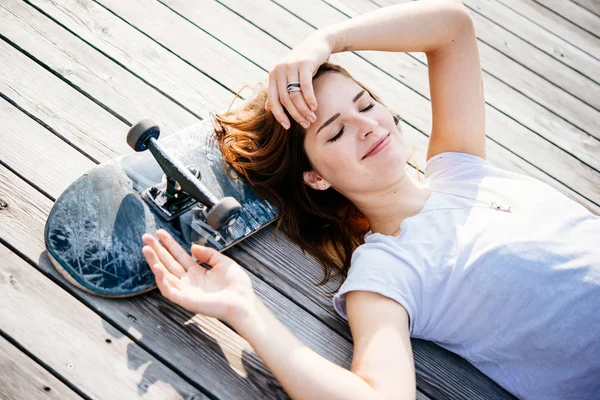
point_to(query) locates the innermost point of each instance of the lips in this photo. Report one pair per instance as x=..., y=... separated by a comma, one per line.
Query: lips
x=375, y=147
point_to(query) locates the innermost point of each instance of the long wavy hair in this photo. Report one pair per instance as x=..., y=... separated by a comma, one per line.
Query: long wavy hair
x=273, y=160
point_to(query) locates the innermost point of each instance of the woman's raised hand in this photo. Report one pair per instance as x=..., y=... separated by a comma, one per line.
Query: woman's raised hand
x=298, y=67
x=223, y=292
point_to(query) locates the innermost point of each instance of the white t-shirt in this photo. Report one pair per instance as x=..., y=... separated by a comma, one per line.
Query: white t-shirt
x=517, y=294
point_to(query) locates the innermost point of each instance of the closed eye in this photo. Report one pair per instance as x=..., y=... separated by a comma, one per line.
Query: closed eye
x=339, y=134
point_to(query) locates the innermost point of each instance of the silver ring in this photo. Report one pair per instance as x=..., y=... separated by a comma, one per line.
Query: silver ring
x=293, y=87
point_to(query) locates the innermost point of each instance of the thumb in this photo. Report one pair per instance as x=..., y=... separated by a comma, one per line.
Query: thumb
x=210, y=256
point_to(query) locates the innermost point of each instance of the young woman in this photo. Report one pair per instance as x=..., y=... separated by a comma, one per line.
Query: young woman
x=493, y=265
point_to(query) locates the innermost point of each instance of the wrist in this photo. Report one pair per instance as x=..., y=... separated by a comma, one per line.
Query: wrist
x=247, y=315
x=331, y=36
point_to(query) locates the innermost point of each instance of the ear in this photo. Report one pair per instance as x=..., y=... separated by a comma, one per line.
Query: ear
x=314, y=180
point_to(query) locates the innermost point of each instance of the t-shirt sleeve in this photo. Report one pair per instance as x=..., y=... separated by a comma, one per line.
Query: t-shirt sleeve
x=376, y=269
x=450, y=164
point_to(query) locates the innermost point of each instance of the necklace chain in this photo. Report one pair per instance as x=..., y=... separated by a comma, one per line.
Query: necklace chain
x=493, y=205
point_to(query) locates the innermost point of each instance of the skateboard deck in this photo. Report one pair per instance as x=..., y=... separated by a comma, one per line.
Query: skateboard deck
x=93, y=233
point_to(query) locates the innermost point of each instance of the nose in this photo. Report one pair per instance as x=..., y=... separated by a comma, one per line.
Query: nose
x=365, y=124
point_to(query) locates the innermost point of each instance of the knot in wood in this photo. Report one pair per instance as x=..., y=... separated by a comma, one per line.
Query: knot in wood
x=3, y=204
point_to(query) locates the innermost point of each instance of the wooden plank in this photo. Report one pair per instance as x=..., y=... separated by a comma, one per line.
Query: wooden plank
x=85, y=349
x=32, y=151
x=501, y=128
x=539, y=15
x=575, y=72
x=136, y=52
x=82, y=122
x=535, y=35
x=22, y=378
x=590, y=5
x=574, y=13
x=85, y=68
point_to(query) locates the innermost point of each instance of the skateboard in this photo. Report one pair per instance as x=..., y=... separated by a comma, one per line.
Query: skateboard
x=181, y=184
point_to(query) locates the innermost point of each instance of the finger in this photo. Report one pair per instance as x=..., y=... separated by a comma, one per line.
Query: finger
x=164, y=256
x=307, y=88
x=166, y=283
x=210, y=256
x=274, y=104
x=284, y=98
x=184, y=259
x=298, y=98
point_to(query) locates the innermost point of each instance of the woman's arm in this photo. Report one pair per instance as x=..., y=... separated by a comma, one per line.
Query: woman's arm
x=382, y=354
x=420, y=26
x=382, y=366
x=443, y=29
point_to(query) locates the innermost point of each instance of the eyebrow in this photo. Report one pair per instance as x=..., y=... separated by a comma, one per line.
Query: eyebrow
x=336, y=115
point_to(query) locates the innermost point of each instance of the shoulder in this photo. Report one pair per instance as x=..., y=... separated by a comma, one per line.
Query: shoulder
x=382, y=268
x=451, y=164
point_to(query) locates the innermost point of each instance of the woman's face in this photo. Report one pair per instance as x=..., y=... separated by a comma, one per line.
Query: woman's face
x=340, y=143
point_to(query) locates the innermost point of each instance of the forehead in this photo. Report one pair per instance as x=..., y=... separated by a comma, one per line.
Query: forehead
x=333, y=86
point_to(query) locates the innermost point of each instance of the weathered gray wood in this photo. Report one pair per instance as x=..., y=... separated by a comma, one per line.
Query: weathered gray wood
x=22, y=378
x=590, y=5
x=496, y=34
x=411, y=106
x=33, y=152
x=554, y=23
x=83, y=123
x=139, y=54
x=75, y=342
x=574, y=13
x=549, y=43
x=86, y=68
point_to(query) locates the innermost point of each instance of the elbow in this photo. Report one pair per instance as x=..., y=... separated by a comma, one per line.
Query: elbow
x=460, y=23
x=460, y=16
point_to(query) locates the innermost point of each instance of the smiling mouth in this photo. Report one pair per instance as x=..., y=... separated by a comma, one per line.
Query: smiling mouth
x=378, y=146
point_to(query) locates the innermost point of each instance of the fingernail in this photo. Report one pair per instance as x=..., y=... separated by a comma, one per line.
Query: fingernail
x=313, y=107
x=286, y=125
x=304, y=125
x=312, y=118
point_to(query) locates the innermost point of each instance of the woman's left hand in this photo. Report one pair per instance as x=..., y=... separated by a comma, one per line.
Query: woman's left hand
x=299, y=65
x=223, y=292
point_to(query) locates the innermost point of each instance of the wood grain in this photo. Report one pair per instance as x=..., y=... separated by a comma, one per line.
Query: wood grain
x=85, y=68
x=575, y=14
x=22, y=378
x=550, y=44
x=539, y=15
x=71, y=339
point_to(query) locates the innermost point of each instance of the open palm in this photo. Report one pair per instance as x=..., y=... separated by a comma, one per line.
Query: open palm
x=224, y=291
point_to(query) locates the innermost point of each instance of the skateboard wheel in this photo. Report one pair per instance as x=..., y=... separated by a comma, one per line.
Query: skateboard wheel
x=223, y=213
x=141, y=132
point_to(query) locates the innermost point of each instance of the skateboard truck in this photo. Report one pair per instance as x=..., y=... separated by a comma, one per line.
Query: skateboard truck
x=183, y=187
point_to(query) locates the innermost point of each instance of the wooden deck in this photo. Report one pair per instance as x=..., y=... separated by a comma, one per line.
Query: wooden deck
x=74, y=74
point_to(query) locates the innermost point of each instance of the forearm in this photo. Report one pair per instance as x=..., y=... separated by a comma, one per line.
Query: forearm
x=419, y=26
x=302, y=372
